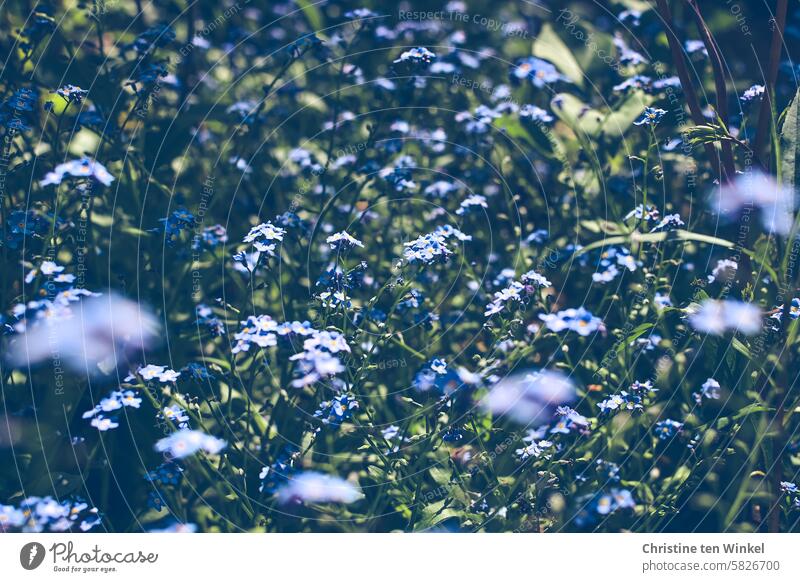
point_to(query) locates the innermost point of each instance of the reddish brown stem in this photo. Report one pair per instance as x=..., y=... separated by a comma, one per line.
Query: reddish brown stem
x=683, y=74
x=765, y=113
x=728, y=164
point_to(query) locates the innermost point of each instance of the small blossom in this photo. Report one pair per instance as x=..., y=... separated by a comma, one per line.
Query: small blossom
x=756, y=92
x=650, y=116
x=538, y=71
x=578, y=320
x=343, y=241
x=709, y=390
x=667, y=429
x=83, y=168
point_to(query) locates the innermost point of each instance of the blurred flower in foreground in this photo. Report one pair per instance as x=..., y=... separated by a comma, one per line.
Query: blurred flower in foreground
x=45, y=514
x=313, y=487
x=530, y=398
x=776, y=201
x=97, y=332
x=83, y=168
x=187, y=442
x=716, y=317
x=176, y=528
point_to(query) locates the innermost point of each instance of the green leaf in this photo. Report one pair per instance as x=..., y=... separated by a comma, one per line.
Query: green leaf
x=617, y=122
x=440, y=475
x=550, y=47
x=790, y=144
x=434, y=514
x=638, y=332
x=312, y=13
x=582, y=119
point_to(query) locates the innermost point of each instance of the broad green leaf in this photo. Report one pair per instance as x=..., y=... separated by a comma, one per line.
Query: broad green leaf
x=581, y=118
x=618, y=121
x=311, y=12
x=790, y=144
x=550, y=47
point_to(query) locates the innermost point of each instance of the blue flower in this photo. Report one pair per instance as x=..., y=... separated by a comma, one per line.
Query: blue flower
x=72, y=93
x=342, y=241
x=794, y=310
x=709, y=390
x=650, y=116
x=265, y=237
x=416, y=56
x=578, y=320
x=635, y=82
x=756, y=92
x=615, y=500
x=338, y=410
x=669, y=222
x=667, y=429
x=427, y=249
x=538, y=71
x=535, y=114
x=21, y=225
x=626, y=54
x=607, y=470
x=568, y=420
x=279, y=471
x=165, y=474
x=82, y=168
x=470, y=203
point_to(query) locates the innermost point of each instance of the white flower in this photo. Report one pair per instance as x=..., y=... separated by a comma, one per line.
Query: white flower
x=150, y=371
x=168, y=376
x=725, y=270
x=535, y=450
x=103, y=424
x=50, y=268
x=342, y=240
x=313, y=487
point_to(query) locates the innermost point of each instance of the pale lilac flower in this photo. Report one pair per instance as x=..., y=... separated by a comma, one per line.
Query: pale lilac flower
x=578, y=320
x=529, y=398
x=775, y=201
x=187, y=442
x=313, y=487
x=716, y=317
x=471, y=202
x=83, y=168
x=90, y=337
